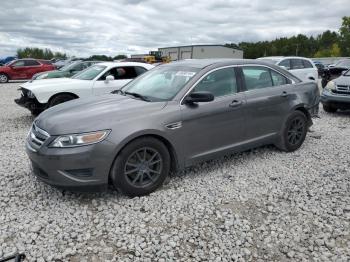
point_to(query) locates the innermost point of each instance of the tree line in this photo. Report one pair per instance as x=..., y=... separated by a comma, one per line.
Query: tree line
x=327, y=44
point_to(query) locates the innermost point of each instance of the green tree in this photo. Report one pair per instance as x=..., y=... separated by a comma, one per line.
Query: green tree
x=345, y=36
x=34, y=52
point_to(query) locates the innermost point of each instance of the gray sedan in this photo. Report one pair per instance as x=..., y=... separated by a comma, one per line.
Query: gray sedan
x=172, y=117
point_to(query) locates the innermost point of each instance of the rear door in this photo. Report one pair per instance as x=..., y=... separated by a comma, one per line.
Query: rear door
x=298, y=69
x=268, y=101
x=32, y=67
x=214, y=127
x=122, y=75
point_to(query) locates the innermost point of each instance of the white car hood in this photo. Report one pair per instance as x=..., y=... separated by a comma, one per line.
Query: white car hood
x=53, y=83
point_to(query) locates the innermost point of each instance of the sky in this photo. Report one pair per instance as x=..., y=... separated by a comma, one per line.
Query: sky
x=112, y=27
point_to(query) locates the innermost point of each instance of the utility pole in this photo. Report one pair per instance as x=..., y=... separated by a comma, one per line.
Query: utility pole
x=297, y=50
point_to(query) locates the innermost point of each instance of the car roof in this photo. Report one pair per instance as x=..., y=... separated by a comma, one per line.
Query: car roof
x=278, y=58
x=111, y=64
x=202, y=63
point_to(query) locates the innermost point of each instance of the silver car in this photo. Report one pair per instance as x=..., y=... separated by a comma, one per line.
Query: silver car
x=172, y=117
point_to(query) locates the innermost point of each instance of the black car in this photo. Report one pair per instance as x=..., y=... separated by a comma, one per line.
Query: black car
x=333, y=71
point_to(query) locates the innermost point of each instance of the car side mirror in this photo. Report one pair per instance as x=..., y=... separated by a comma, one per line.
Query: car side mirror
x=201, y=96
x=109, y=78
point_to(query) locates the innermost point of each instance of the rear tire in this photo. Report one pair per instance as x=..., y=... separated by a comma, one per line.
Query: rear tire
x=329, y=108
x=59, y=99
x=294, y=132
x=3, y=78
x=141, y=167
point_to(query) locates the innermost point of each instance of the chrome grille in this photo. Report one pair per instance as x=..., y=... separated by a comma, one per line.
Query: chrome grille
x=343, y=89
x=37, y=137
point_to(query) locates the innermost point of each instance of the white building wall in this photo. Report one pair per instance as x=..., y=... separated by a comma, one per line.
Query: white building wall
x=200, y=52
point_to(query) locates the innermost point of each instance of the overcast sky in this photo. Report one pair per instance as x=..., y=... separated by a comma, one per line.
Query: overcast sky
x=112, y=27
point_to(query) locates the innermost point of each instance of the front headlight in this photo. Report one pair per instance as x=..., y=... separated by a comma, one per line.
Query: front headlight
x=331, y=85
x=75, y=140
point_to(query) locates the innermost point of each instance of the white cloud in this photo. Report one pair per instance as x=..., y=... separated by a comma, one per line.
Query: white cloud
x=89, y=27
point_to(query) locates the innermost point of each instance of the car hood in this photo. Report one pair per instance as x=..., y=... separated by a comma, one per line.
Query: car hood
x=52, y=83
x=94, y=113
x=342, y=80
x=53, y=73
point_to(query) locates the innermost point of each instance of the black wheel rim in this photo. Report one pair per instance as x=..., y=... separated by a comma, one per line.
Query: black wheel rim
x=296, y=131
x=143, y=167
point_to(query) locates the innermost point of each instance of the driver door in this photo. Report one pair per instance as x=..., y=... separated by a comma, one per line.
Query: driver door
x=18, y=70
x=213, y=128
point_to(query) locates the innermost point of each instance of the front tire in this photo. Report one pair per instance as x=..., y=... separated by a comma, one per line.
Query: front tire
x=4, y=78
x=59, y=99
x=329, y=108
x=141, y=167
x=294, y=132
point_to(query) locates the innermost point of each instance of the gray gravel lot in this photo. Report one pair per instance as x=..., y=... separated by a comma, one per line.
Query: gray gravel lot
x=261, y=205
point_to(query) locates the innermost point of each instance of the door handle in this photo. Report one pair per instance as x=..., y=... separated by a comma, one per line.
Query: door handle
x=235, y=103
x=284, y=94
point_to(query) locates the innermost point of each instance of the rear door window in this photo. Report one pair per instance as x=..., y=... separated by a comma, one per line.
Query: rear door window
x=278, y=79
x=285, y=63
x=31, y=63
x=257, y=77
x=307, y=64
x=297, y=64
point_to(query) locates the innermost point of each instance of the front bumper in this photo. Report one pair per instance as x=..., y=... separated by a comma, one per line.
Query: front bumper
x=341, y=101
x=84, y=168
x=30, y=103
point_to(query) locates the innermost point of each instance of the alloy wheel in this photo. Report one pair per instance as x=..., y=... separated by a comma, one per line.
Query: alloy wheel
x=3, y=78
x=143, y=167
x=296, y=131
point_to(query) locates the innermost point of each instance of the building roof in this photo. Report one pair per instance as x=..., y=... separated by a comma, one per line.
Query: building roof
x=196, y=46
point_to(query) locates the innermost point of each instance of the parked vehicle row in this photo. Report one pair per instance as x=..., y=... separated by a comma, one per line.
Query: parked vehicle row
x=23, y=69
x=98, y=79
x=66, y=71
x=169, y=118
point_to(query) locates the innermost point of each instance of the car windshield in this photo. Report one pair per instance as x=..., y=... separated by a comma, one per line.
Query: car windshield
x=90, y=73
x=344, y=63
x=161, y=83
x=69, y=66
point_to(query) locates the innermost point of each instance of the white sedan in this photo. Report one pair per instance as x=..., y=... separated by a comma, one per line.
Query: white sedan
x=98, y=79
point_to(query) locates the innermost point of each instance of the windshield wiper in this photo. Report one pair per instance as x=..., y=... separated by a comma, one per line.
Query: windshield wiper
x=118, y=91
x=137, y=95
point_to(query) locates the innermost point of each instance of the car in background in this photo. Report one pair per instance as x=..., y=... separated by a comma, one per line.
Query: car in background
x=23, y=69
x=65, y=71
x=98, y=79
x=171, y=117
x=301, y=67
x=7, y=59
x=336, y=94
x=335, y=70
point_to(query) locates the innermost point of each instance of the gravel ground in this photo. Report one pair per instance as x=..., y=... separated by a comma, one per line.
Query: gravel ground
x=260, y=205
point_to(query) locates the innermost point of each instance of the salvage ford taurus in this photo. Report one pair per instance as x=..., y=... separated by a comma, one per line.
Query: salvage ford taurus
x=171, y=117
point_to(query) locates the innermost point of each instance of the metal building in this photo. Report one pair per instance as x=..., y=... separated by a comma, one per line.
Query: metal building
x=200, y=52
